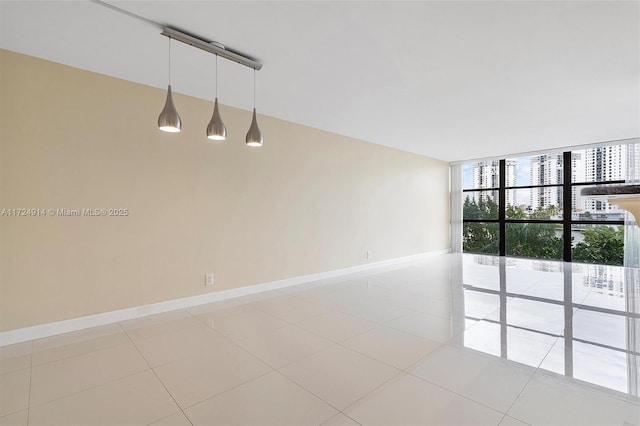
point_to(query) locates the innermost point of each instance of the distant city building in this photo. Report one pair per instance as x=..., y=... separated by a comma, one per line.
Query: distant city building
x=486, y=174
x=633, y=163
x=548, y=169
x=510, y=179
x=577, y=175
x=603, y=164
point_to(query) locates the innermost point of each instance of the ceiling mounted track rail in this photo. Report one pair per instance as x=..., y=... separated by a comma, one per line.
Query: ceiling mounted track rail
x=211, y=47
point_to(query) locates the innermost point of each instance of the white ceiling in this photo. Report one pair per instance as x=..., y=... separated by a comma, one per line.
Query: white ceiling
x=452, y=80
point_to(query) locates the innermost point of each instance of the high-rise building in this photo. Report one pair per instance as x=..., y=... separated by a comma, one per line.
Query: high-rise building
x=510, y=180
x=633, y=163
x=577, y=175
x=604, y=164
x=486, y=174
x=548, y=169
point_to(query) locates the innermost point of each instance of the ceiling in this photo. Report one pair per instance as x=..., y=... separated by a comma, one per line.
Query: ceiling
x=453, y=80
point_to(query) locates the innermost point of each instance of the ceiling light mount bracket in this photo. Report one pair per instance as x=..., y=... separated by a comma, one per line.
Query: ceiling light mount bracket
x=211, y=47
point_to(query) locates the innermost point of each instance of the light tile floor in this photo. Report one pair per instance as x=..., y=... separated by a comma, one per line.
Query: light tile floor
x=452, y=340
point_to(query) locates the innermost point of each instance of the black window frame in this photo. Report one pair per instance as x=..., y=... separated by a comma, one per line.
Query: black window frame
x=567, y=192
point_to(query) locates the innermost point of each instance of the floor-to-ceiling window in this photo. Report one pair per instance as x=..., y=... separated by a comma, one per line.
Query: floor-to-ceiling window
x=532, y=206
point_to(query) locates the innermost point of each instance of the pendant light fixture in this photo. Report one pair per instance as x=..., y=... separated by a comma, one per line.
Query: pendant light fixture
x=169, y=120
x=254, y=135
x=216, y=129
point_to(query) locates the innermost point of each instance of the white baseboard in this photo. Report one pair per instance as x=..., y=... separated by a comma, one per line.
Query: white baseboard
x=45, y=330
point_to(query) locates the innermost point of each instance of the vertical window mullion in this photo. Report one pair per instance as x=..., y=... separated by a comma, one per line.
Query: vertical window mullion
x=567, y=195
x=502, y=209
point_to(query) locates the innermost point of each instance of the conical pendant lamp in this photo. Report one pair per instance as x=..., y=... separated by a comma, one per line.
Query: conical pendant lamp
x=216, y=129
x=254, y=135
x=169, y=120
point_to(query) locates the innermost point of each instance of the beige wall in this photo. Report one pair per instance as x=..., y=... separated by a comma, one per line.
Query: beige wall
x=308, y=201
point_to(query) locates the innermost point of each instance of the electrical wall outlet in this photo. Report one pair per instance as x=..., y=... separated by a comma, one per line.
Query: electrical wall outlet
x=368, y=254
x=208, y=279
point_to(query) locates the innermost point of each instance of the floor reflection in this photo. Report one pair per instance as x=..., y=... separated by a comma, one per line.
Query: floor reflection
x=579, y=320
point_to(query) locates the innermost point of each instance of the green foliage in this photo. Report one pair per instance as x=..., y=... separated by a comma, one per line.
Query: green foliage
x=485, y=208
x=480, y=237
x=515, y=212
x=542, y=213
x=602, y=244
x=537, y=240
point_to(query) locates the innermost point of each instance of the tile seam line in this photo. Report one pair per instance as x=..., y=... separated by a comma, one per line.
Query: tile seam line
x=626, y=398
x=312, y=393
x=457, y=393
x=155, y=374
x=538, y=368
x=248, y=353
x=87, y=389
x=80, y=354
x=343, y=411
x=228, y=390
x=439, y=345
x=242, y=348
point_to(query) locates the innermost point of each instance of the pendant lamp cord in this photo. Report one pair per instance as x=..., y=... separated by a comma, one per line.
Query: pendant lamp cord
x=254, y=88
x=169, y=60
x=216, y=76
